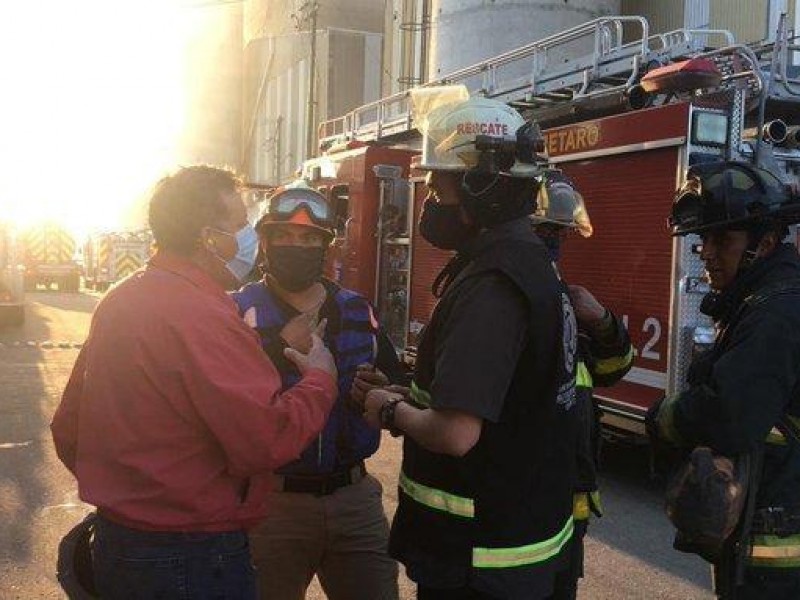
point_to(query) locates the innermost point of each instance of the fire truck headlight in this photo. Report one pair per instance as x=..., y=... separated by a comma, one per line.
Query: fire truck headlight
x=709, y=129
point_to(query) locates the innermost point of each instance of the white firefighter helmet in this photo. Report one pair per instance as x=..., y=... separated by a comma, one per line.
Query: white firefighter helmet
x=450, y=121
x=560, y=203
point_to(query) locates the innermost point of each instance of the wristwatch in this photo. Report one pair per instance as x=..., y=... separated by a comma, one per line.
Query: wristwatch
x=386, y=416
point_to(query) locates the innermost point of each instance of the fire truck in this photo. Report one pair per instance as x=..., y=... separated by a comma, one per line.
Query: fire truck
x=624, y=121
x=12, y=297
x=111, y=256
x=49, y=258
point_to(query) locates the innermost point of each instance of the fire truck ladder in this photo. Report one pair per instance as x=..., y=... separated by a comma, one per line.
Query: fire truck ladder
x=547, y=73
x=777, y=58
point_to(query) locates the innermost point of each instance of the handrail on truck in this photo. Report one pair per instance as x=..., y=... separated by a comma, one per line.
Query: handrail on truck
x=612, y=67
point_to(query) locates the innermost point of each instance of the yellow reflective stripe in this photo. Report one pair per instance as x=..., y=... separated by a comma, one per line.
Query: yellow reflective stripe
x=582, y=376
x=776, y=437
x=419, y=396
x=437, y=499
x=580, y=506
x=774, y=551
x=582, y=503
x=502, y=558
x=604, y=366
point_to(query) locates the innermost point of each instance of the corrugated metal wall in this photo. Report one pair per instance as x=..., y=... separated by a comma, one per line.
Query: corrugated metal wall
x=663, y=15
x=347, y=75
x=746, y=19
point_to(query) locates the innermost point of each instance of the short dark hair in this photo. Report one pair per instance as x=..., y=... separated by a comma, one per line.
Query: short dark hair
x=185, y=202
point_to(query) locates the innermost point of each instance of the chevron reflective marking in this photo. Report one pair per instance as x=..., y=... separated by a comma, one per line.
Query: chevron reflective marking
x=126, y=263
x=103, y=248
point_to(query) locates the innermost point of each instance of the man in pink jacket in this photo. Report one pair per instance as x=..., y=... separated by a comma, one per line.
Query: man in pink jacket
x=173, y=417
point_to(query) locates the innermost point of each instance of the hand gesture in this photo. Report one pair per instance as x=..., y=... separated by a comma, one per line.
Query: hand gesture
x=297, y=332
x=375, y=400
x=587, y=309
x=367, y=377
x=318, y=357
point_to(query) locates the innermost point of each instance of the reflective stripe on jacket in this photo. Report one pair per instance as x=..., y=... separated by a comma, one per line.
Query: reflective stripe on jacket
x=775, y=551
x=486, y=558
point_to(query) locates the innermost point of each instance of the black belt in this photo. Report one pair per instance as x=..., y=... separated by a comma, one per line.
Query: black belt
x=776, y=520
x=321, y=485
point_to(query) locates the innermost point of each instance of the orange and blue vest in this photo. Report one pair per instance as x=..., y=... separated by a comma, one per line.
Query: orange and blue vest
x=351, y=335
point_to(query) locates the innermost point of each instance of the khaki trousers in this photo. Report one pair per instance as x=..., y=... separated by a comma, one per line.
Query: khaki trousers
x=342, y=538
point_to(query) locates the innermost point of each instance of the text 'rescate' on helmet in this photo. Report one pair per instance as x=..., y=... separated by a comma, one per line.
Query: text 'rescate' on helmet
x=298, y=204
x=457, y=131
x=731, y=195
x=558, y=202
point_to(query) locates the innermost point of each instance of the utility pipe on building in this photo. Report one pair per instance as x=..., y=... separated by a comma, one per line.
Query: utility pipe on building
x=307, y=13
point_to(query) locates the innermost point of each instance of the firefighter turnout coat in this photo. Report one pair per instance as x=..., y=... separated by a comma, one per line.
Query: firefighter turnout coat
x=498, y=519
x=745, y=393
x=605, y=355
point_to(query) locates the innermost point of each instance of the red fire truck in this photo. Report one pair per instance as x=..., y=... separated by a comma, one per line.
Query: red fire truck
x=624, y=122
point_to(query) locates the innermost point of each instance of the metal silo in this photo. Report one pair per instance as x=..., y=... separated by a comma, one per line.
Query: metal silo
x=464, y=32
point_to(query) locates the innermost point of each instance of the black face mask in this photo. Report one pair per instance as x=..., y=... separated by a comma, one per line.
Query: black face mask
x=295, y=268
x=442, y=226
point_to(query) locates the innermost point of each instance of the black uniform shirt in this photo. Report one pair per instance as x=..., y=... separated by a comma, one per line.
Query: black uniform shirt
x=479, y=345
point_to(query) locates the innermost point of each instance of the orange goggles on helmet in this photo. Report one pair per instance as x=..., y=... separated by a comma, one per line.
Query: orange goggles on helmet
x=300, y=206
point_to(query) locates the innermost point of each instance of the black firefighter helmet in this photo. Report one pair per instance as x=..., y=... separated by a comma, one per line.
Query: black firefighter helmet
x=731, y=195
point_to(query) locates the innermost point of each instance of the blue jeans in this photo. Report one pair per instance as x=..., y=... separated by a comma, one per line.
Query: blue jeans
x=131, y=564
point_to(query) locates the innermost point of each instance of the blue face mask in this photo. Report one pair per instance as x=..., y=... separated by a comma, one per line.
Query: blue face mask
x=242, y=264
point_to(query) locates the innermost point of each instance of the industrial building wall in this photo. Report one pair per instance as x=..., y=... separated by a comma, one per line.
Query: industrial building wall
x=276, y=129
x=278, y=59
x=353, y=74
x=347, y=75
x=663, y=15
x=464, y=32
x=406, y=44
x=278, y=17
x=746, y=19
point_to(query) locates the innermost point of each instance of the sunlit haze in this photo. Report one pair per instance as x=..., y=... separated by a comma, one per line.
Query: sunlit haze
x=92, y=107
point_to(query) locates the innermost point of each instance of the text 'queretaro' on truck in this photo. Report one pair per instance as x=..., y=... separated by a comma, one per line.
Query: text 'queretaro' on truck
x=624, y=121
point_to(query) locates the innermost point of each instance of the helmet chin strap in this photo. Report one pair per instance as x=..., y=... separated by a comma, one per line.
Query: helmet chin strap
x=480, y=194
x=750, y=256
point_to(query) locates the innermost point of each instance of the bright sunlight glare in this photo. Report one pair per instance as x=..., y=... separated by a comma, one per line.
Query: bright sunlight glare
x=92, y=109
